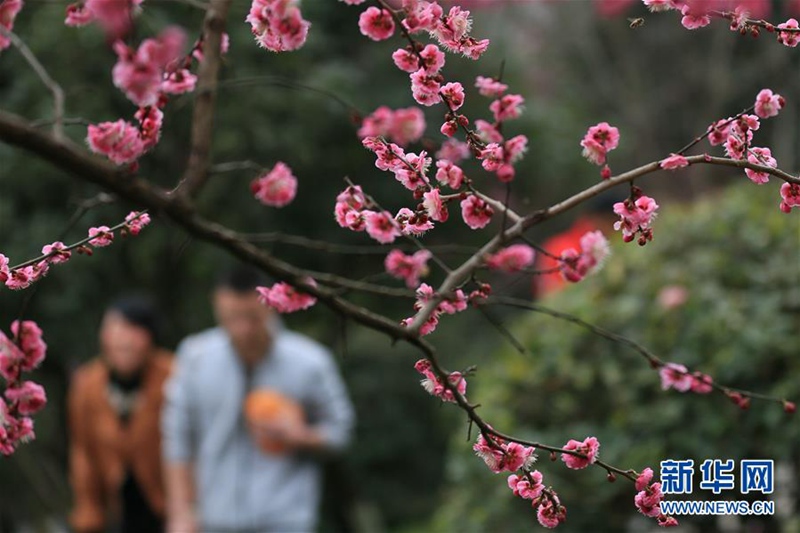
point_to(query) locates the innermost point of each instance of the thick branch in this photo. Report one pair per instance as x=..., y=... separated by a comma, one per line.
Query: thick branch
x=205, y=101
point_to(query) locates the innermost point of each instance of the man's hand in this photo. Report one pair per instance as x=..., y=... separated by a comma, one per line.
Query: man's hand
x=182, y=522
x=288, y=432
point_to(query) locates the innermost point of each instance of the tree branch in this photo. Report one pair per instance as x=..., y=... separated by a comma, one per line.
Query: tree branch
x=203, y=118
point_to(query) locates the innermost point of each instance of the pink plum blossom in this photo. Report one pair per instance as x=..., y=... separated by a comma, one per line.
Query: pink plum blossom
x=29, y=397
x=528, y=486
x=647, y=501
x=476, y=212
x=789, y=38
x=790, y=195
x=376, y=23
x=119, y=141
x=449, y=174
x=551, y=513
x=768, y=104
x=101, y=236
x=490, y=87
x=507, y=107
x=409, y=268
x=57, y=252
x=589, y=447
x=434, y=206
x=276, y=188
x=286, y=299
x=136, y=221
x=514, y=258
x=694, y=17
x=382, y=227
x=676, y=376
x=763, y=157
x=598, y=141
x=636, y=217
x=674, y=161
x=278, y=25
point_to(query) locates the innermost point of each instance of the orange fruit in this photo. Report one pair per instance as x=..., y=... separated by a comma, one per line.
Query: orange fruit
x=265, y=406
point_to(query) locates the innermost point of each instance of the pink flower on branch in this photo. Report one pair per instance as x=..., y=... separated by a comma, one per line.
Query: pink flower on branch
x=136, y=221
x=434, y=385
x=57, y=252
x=790, y=195
x=276, y=188
x=382, y=227
x=673, y=162
x=589, y=447
x=409, y=268
x=28, y=397
x=528, y=486
x=575, y=266
x=636, y=214
x=9, y=9
x=598, y=141
x=119, y=141
x=694, y=17
x=140, y=73
x=284, y=298
x=551, y=513
x=30, y=342
x=476, y=212
x=101, y=236
x=763, y=157
x=768, y=104
x=376, y=23
x=401, y=126
x=490, y=87
x=278, y=25
x=514, y=258
x=500, y=456
x=789, y=38
x=675, y=376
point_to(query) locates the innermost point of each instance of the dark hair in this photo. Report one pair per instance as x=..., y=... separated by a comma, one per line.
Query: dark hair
x=241, y=279
x=141, y=311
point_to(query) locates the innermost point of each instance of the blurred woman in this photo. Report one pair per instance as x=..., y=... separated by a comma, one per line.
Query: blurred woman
x=114, y=410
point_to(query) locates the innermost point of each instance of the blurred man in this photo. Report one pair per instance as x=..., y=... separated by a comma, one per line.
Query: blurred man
x=250, y=410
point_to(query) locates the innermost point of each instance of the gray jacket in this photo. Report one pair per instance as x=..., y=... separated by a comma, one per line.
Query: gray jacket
x=239, y=487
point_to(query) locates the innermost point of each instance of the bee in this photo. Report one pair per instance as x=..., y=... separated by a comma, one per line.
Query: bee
x=636, y=23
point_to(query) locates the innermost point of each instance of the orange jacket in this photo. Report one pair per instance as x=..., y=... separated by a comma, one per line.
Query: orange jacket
x=102, y=449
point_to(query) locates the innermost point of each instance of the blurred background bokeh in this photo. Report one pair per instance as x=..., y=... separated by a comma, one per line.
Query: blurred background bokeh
x=719, y=239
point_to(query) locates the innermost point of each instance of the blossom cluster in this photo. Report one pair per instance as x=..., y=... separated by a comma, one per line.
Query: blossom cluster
x=648, y=499
x=636, y=214
x=448, y=304
x=736, y=134
x=401, y=126
x=22, y=277
x=284, y=298
x=9, y=9
x=498, y=155
x=147, y=75
x=598, y=141
x=409, y=268
x=676, y=376
x=115, y=17
x=278, y=25
x=23, y=352
x=434, y=385
x=575, y=265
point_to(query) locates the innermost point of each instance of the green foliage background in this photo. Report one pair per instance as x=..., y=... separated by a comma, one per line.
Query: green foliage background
x=740, y=323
